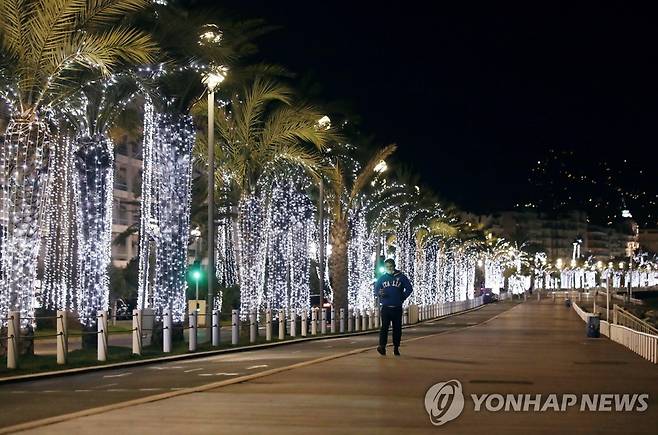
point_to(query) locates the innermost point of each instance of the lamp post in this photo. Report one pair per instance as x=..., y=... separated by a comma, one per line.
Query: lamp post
x=196, y=274
x=323, y=123
x=214, y=77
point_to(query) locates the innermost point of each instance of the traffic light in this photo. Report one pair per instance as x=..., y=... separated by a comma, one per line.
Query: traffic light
x=196, y=271
x=380, y=267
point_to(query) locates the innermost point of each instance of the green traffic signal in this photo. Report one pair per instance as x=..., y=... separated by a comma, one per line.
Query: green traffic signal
x=196, y=275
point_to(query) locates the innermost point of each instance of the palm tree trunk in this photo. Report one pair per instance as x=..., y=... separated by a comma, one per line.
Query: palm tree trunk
x=338, y=262
x=252, y=252
x=59, y=238
x=23, y=163
x=94, y=196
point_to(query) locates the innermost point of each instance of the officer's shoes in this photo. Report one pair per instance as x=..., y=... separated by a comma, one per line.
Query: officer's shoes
x=381, y=350
x=396, y=351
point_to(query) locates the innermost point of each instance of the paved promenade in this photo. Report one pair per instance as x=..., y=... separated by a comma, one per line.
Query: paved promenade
x=532, y=348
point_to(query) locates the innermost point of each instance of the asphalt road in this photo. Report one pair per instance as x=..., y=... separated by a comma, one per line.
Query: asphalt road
x=33, y=400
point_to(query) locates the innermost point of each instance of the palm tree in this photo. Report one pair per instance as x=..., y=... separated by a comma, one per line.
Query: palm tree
x=343, y=192
x=44, y=44
x=261, y=131
x=102, y=102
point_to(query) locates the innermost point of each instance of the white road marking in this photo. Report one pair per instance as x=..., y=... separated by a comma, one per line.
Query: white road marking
x=166, y=368
x=150, y=389
x=120, y=375
x=205, y=374
x=51, y=391
x=257, y=367
x=105, y=386
x=117, y=390
x=82, y=391
x=193, y=370
x=226, y=374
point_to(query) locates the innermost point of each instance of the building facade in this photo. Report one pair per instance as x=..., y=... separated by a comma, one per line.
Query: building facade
x=560, y=234
x=127, y=193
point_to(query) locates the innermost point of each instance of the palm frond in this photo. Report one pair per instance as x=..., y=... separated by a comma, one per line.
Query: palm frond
x=368, y=171
x=103, y=12
x=13, y=17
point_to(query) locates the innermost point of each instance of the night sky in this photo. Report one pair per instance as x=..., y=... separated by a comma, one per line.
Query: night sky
x=475, y=94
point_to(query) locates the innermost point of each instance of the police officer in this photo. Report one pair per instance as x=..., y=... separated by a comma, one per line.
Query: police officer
x=392, y=288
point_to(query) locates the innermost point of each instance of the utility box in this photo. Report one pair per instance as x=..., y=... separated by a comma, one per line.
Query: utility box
x=413, y=313
x=200, y=306
x=593, y=326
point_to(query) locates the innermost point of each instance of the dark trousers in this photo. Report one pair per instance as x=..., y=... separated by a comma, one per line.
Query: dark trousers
x=388, y=315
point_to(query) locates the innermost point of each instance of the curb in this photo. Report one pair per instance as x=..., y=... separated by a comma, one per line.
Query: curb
x=185, y=356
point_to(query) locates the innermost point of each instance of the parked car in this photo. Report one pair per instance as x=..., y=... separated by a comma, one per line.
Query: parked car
x=489, y=297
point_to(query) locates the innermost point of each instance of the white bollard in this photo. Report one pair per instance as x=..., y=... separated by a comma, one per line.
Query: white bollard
x=304, y=323
x=377, y=324
x=323, y=321
x=215, y=328
x=538, y=296
x=268, y=325
x=62, y=337
x=282, y=325
x=364, y=320
x=102, y=335
x=252, y=327
x=293, y=324
x=13, y=339
x=333, y=320
x=167, y=325
x=405, y=316
x=371, y=319
x=235, y=327
x=137, y=332
x=342, y=321
x=350, y=320
x=357, y=320
x=193, y=317
x=314, y=321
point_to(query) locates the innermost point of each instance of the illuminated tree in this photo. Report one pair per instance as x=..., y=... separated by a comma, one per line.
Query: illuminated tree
x=44, y=43
x=343, y=192
x=260, y=131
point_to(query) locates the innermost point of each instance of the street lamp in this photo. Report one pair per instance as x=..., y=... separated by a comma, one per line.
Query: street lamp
x=212, y=79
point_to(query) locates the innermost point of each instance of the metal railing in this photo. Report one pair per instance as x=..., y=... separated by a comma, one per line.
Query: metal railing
x=645, y=345
x=625, y=318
